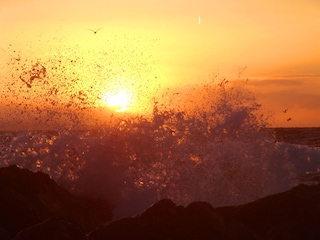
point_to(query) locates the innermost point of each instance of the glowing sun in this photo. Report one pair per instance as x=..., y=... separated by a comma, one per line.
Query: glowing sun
x=119, y=100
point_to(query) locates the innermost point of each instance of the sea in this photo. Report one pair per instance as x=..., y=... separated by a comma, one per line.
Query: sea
x=135, y=163
x=207, y=142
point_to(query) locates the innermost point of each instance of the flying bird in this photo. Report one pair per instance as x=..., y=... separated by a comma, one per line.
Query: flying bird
x=289, y=119
x=95, y=31
x=285, y=110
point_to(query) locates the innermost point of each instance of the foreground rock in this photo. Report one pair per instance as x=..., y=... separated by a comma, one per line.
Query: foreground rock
x=164, y=220
x=52, y=229
x=294, y=214
x=32, y=201
x=34, y=207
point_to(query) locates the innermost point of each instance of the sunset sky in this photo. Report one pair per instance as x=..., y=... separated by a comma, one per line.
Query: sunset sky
x=274, y=43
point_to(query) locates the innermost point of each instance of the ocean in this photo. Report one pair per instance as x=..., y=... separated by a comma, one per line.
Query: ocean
x=208, y=142
x=300, y=136
x=138, y=163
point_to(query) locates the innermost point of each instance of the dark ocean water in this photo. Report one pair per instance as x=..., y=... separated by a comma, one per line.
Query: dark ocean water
x=205, y=142
x=137, y=168
x=303, y=136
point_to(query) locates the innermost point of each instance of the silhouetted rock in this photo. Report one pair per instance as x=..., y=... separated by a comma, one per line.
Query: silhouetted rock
x=294, y=214
x=33, y=207
x=164, y=220
x=52, y=229
x=28, y=198
x=4, y=234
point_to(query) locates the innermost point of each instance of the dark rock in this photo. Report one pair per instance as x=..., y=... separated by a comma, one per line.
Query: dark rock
x=165, y=220
x=4, y=234
x=52, y=229
x=28, y=198
x=34, y=207
x=294, y=214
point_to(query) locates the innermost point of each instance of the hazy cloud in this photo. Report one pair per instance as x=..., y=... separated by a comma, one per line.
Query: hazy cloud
x=282, y=82
x=294, y=99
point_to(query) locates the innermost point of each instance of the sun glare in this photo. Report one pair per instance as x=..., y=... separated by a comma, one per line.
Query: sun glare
x=119, y=100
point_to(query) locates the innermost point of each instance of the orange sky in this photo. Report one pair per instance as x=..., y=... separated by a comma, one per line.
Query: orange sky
x=277, y=41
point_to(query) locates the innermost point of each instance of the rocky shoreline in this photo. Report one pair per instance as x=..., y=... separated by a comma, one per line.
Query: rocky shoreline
x=34, y=207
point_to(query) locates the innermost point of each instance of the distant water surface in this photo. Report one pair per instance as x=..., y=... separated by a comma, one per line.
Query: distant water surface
x=303, y=136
